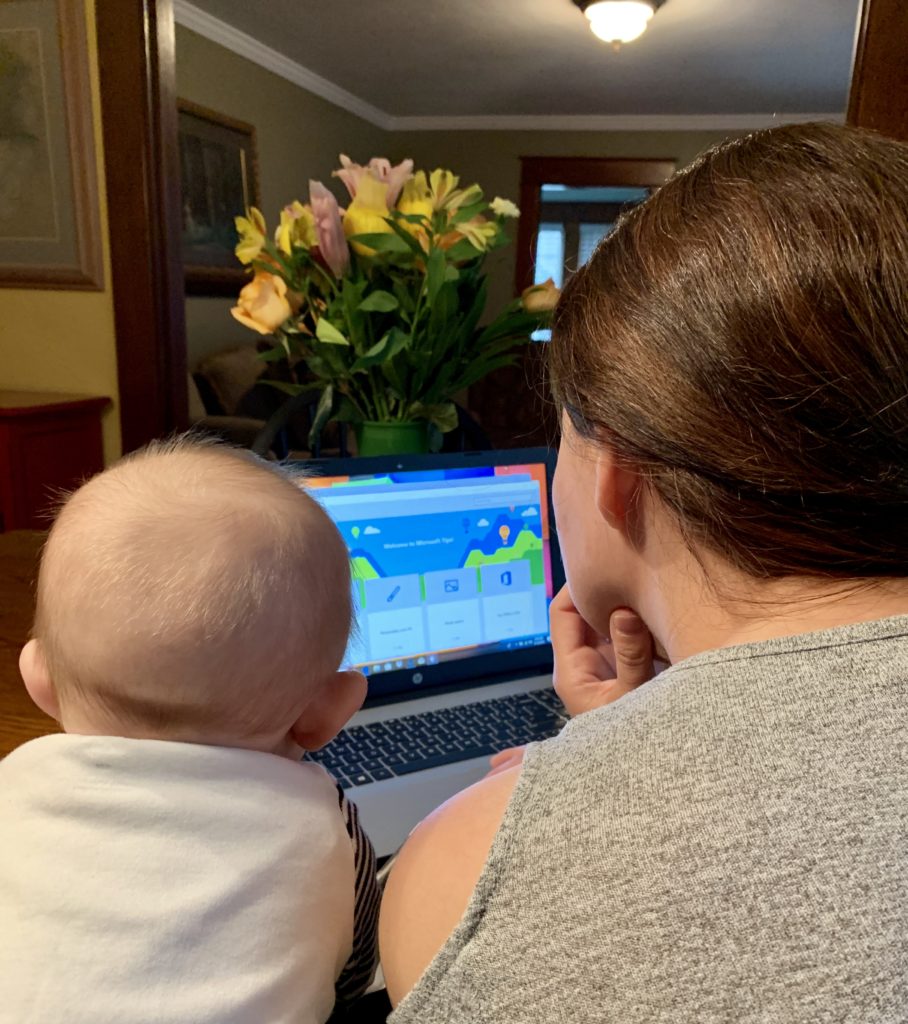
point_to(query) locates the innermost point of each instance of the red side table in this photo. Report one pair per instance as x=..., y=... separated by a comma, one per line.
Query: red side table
x=48, y=442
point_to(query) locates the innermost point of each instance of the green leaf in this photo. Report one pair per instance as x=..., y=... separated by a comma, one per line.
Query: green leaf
x=518, y=329
x=382, y=241
x=383, y=351
x=391, y=373
x=481, y=369
x=404, y=296
x=336, y=359
x=409, y=240
x=378, y=302
x=371, y=356
x=443, y=415
x=466, y=213
x=326, y=331
x=435, y=273
x=463, y=250
x=273, y=355
x=286, y=386
x=346, y=411
x=352, y=294
x=322, y=415
x=412, y=218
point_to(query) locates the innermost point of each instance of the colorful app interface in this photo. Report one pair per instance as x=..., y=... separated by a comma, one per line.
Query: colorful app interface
x=445, y=563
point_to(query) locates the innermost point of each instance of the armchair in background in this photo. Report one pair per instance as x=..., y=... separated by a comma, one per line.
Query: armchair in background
x=230, y=397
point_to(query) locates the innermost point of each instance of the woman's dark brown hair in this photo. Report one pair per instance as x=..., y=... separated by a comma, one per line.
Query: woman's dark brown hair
x=742, y=337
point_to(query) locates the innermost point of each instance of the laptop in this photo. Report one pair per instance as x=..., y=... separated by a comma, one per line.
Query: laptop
x=455, y=562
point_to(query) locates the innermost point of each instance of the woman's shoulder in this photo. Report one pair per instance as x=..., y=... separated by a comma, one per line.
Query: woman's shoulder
x=434, y=877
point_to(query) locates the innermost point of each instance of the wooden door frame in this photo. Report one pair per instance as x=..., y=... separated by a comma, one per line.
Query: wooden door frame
x=576, y=171
x=879, y=76
x=137, y=65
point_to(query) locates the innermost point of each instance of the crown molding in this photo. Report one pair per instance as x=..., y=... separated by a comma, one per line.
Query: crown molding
x=191, y=17
x=608, y=122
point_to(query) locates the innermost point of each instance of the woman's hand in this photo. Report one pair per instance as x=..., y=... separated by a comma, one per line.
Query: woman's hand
x=592, y=670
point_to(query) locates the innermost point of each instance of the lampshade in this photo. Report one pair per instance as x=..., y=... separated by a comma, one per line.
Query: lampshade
x=619, y=21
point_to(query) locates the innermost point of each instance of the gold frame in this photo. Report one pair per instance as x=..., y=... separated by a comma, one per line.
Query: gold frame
x=86, y=272
x=211, y=279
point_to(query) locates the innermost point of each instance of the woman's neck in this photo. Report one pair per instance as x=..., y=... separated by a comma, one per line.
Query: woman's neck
x=705, y=604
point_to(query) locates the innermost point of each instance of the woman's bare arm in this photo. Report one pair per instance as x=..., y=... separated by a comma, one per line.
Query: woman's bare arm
x=434, y=877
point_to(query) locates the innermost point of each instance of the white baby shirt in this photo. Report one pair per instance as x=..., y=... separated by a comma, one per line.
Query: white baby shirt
x=169, y=883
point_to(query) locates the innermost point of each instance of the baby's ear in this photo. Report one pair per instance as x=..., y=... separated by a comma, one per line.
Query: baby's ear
x=33, y=669
x=338, y=699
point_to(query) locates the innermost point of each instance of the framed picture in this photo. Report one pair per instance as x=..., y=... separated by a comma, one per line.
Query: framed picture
x=50, y=232
x=219, y=181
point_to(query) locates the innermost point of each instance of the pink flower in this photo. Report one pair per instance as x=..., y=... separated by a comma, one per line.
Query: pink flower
x=329, y=228
x=393, y=178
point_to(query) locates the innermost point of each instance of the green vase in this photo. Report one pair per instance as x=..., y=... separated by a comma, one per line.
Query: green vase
x=392, y=438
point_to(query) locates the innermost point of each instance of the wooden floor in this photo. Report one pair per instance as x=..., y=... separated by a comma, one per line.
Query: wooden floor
x=20, y=720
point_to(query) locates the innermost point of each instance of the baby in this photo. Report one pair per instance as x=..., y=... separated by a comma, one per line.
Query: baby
x=168, y=859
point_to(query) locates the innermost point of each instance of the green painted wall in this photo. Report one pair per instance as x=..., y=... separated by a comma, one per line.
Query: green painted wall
x=298, y=137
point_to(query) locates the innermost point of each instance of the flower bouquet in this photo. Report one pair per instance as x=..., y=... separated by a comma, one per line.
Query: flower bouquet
x=381, y=302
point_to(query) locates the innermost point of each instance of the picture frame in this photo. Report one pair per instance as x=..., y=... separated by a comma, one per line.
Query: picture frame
x=219, y=181
x=50, y=224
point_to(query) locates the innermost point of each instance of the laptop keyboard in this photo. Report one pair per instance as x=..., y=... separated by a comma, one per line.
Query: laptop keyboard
x=413, y=743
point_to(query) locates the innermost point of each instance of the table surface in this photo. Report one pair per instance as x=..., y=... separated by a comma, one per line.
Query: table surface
x=20, y=720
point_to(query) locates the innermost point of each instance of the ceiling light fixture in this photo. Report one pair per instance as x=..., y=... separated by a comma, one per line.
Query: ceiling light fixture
x=619, y=21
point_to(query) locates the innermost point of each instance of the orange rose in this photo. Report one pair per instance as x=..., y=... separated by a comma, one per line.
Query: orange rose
x=262, y=304
x=540, y=298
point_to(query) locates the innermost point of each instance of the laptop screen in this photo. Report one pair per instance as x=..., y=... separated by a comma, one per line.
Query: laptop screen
x=453, y=562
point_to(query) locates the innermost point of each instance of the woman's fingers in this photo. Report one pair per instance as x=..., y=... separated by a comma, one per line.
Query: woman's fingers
x=569, y=630
x=590, y=670
x=632, y=645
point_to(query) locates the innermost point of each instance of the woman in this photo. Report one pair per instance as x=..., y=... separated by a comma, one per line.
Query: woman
x=725, y=842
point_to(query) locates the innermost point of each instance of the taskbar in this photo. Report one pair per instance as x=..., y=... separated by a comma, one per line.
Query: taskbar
x=416, y=661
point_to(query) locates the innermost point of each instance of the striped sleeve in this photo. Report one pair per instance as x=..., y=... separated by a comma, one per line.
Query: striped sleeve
x=360, y=968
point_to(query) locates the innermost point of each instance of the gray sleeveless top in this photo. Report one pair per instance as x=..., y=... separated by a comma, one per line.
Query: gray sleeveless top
x=729, y=843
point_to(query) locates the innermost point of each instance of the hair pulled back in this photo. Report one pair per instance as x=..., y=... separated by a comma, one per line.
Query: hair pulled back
x=742, y=337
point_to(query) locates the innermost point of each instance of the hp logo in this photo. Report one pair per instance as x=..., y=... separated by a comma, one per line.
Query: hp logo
x=417, y=677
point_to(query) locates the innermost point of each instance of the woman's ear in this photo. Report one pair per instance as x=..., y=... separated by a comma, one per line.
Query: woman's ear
x=617, y=489
x=338, y=699
x=33, y=669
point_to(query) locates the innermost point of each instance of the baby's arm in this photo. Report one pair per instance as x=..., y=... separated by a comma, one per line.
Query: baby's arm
x=360, y=967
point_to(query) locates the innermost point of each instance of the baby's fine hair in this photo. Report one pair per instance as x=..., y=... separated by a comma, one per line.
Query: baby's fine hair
x=193, y=588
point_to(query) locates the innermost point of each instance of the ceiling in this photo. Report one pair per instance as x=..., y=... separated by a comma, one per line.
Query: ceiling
x=419, y=59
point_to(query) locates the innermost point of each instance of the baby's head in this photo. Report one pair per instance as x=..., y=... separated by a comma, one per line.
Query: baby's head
x=193, y=592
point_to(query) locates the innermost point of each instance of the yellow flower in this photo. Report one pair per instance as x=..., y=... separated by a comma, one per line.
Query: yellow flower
x=251, y=230
x=262, y=304
x=480, y=232
x=367, y=212
x=416, y=200
x=540, y=298
x=445, y=193
x=463, y=197
x=504, y=207
x=441, y=184
x=297, y=228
